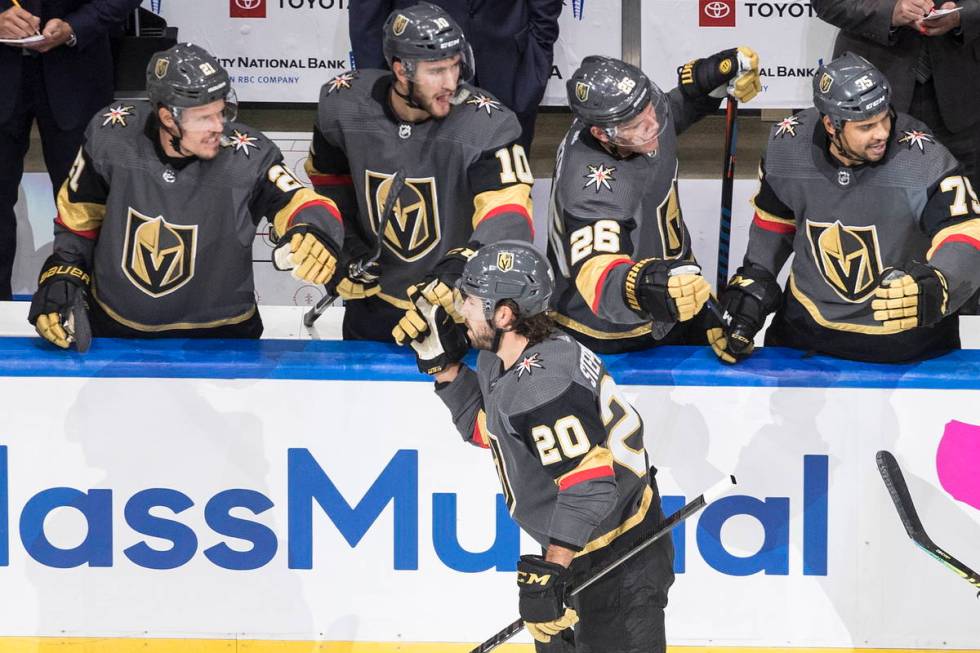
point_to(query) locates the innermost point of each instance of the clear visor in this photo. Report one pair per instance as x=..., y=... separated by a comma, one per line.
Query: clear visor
x=211, y=117
x=644, y=128
x=461, y=65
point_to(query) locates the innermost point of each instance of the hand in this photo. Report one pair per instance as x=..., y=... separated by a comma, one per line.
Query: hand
x=542, y=587
x=751, y=295
x=444, y=346
x=732, y=72
x=909, y=12
x=307, y=255
x=58, y=309
x=361, y=281
x=413, y=325
x=915, y=297
x=666, y=290
x=940, y=26
x=56, y=33
x=16, y=23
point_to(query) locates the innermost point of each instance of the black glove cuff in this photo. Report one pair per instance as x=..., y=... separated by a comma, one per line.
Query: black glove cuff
x=58, y=270
x=542, y=588
x=700, y=77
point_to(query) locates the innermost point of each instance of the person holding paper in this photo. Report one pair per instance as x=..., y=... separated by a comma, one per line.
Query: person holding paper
x=59, y=81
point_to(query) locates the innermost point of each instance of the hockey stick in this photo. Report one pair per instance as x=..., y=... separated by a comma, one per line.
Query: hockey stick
x=665, y=527
x=891, y=474
x=727, y=183
x=357, y=269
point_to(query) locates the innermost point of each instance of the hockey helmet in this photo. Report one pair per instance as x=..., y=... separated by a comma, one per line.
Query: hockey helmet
x=425, y=32
x=850, y=88
x=185, y=76
x=608, y=92
x=509, y=269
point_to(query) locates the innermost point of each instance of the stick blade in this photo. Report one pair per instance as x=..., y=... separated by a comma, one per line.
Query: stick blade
x=898, y=490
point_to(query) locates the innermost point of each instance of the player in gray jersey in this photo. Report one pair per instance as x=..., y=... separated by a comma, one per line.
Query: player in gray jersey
x=569, y=452
x=157, y=217
x=627, y=278
x=468, y=180
x=883, y=227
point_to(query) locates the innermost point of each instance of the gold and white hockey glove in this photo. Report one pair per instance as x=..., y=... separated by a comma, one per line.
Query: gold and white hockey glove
x=307, y=255
x=917, y=296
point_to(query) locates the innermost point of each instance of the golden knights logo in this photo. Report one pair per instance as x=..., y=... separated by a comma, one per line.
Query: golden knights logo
x=505, y=261
x=399, y=25
x=161, y=67
x=582, y=91
x=671, y=224
x=848, y=258
x=826, y=81
x=414, y=228
x=158, y=257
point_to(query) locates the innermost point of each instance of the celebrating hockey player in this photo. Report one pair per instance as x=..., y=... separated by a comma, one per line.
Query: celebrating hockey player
x=157, y=217
x=468, y=181
x=627, y=277
x=883, y=227
x=569, y=453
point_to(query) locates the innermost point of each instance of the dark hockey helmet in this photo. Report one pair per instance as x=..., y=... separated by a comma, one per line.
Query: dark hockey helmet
x=607, y=92
x=425, y=32
x=509, y=269
x=186, y=76
x=850, y=88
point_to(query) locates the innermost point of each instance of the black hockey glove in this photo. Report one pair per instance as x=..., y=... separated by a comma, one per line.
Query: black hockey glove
x=308, y=253
x=542, y=586
x=59, y=311
x=445, y=342
x=733, y=72
x=917, y=296
x=751, y=295
x=666, y=290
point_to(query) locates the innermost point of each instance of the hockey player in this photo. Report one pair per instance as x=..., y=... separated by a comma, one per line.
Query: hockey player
x=569, y=452
x=883, y=227
x=627, y=278
x=468, y=181
x=157, y=217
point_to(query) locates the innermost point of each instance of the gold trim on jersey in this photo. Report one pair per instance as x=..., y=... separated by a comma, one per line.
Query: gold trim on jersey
x=489, y=200
x=414, y=228
x=574, y=325
x=814, y=312
x=591, y=272
x=670, y=222
x=847, y=257
x=175, y=326
x=596, y=458
x=634, y=519
x=280, y=222
x=403, y=304
x=968, y=228
x=771, y=217
x=79, y=216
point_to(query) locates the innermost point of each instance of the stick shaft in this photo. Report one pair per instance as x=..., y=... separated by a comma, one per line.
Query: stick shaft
x=727, y=184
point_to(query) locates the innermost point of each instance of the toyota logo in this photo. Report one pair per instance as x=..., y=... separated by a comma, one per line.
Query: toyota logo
x=252, y=4
x=714, y=10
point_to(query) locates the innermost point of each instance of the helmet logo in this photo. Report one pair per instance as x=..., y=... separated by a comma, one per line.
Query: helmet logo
x=399, y=25
x=826, y=81
x=160, y=70
x=505, y=261
x=581, y=91
x=626, y=85
x=864, y=83
x=207, y=68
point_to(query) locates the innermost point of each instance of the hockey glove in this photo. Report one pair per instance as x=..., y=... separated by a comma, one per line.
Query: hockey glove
x=917, y=296
x=59, y=311
x=666, y=290
x=445, y=343
x=361, y=281
x=732, y=72
x=437, y=288
x=751, y=295
x=309, y=255
x=542, y=597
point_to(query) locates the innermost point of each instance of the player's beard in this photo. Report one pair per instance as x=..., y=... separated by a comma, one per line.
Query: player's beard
x=431, y=106
x=481, y=335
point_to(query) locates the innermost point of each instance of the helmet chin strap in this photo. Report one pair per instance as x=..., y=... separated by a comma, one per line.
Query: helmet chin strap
x=409, y=97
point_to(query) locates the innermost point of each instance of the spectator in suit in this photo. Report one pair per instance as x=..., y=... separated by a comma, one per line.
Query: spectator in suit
x=59, y=82
x=933, y=65
x=513, y=43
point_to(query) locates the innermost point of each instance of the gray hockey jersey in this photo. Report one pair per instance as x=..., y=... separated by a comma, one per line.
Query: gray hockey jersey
x=607, y=213
x=846, y=225
x=567, y=445
x=169, y=243
x=468, y=181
